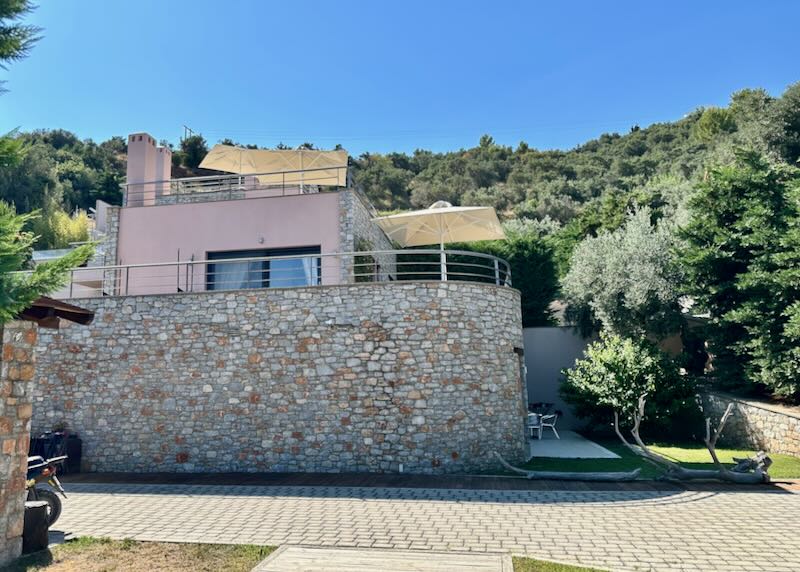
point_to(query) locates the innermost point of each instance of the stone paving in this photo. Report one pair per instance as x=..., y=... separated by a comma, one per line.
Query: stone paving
x=619, y=530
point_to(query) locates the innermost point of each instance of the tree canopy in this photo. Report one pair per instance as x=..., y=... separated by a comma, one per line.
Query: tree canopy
x=16, y=38
x=743, y=263
x=628, y=280
x=569, y=212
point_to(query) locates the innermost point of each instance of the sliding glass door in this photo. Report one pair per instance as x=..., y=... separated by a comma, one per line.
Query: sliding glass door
x=228, y=273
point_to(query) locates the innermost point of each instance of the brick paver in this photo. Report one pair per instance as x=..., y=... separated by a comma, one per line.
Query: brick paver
x=620, y=530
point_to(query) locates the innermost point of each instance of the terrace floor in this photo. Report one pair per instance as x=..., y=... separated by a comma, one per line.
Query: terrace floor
x=571, y=445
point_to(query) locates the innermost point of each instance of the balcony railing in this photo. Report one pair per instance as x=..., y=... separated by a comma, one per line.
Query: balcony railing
x=229, y=187
x=306, y=270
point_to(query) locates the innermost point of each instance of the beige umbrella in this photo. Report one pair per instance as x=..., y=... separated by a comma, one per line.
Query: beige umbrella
x=442, y=223
x=292, y=166
x=230, y=159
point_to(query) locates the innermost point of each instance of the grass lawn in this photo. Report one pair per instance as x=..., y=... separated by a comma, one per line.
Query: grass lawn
x=693, y=455
x=87, y=554
x=530, y=565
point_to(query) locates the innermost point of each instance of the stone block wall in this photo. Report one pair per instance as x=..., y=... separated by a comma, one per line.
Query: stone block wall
x=201, y=197
x=16, y=380
x=109, y=246
x=327, y=379
x=109, y=249
x=757, y=425
x=358, y=232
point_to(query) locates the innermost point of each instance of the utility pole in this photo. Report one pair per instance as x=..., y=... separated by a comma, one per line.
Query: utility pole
x=187, y=132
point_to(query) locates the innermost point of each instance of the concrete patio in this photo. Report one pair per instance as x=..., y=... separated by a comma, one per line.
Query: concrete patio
x=322, y=559
x=570, y=446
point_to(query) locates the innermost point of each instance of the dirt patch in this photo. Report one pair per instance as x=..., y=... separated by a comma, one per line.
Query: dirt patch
x=103, y=555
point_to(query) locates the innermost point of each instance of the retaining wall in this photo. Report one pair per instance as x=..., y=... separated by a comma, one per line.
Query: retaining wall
x=332, y=378
x=757, y=425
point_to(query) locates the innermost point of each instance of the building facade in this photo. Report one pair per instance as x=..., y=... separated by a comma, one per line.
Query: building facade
x=247, y=323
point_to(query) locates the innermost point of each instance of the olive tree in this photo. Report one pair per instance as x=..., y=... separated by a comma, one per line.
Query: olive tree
x=627, y=281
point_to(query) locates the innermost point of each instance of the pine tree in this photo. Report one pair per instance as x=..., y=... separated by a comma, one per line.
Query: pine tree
x=742, y=263
x=16, y=39
x=18, y=290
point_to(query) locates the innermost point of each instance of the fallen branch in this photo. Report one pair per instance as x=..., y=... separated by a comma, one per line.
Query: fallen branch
x=640, y=448
x=760, y=460
x=746, y=471
x=711, y=440
x=571, y=476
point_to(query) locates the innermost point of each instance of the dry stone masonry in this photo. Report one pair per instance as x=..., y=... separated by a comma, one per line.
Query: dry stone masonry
x=371, y=377
x=757, y=425
x=16, y=381
x=357, y=232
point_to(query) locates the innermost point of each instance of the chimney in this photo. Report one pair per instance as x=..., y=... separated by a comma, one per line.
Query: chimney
x=147, y=163
x=163, y=170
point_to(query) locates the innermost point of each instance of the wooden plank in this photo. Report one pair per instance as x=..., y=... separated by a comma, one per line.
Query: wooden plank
x=321, y=559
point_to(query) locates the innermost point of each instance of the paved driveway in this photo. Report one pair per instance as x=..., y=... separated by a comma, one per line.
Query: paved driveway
x=621, y=530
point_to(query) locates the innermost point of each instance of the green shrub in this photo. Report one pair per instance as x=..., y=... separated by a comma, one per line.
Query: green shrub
x=616, y=371
x=58, y=229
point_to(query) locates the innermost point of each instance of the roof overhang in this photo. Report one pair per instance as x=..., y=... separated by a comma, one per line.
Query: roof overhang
x=48, y=313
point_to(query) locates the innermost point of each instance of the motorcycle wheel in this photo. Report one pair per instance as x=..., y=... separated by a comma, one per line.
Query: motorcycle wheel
x=53, y=503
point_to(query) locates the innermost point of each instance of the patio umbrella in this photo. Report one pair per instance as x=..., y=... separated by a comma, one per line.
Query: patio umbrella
x=442, y=223
x=230, y=159
x=292, y=166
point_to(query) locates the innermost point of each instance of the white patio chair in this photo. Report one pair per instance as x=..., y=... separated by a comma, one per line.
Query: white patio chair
x=535, y=424
x=549, y=421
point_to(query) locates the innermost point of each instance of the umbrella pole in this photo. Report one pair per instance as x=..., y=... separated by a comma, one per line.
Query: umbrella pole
x=443, y=261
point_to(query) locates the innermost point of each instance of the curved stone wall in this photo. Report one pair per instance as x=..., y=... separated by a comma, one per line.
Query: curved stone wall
x=325, y=379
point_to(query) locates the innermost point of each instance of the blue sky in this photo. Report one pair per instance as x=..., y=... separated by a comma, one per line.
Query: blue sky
x=381, y=76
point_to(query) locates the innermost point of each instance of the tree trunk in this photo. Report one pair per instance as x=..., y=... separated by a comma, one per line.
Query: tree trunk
x=572, y=476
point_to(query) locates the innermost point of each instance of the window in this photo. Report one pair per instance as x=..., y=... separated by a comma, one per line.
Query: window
x=300, y=270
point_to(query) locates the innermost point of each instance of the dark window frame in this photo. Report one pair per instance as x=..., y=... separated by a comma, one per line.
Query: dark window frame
x=264, y=268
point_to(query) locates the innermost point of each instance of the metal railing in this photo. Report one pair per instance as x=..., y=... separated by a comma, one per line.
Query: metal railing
x=228, y=187
x=307, y=270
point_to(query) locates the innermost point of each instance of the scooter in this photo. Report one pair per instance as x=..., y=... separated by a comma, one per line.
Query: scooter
x=42, y=470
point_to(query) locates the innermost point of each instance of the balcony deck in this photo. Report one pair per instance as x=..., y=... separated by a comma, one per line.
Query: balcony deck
x=224, y=187
x=328, y=269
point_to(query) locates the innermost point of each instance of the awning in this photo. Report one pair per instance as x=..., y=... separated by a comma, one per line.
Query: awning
x=327, y=168
x=47, y=312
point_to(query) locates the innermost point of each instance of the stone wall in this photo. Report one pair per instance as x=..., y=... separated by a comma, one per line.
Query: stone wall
x=201, y=197
x=109, y=241
x=16, y=380
x=357, y=232
x=109, y=250
x=757, y=425
x=332, y=378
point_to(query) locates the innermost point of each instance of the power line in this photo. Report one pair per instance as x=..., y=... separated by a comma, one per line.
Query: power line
x=426, y=133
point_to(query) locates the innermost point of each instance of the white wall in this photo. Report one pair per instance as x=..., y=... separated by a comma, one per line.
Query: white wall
x=547, y=351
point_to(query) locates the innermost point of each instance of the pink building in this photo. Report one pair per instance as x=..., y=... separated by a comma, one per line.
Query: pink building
x=300, y=223
x=327, y=351
x=230, y=231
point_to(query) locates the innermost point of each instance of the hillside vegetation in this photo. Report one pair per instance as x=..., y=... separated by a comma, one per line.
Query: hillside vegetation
x=625, y=228
x=586, y=188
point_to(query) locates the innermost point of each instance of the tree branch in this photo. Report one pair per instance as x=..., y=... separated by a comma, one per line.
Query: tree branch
x=633, y=448
x=711, y=439
x=571, y=476
x=645, y=452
